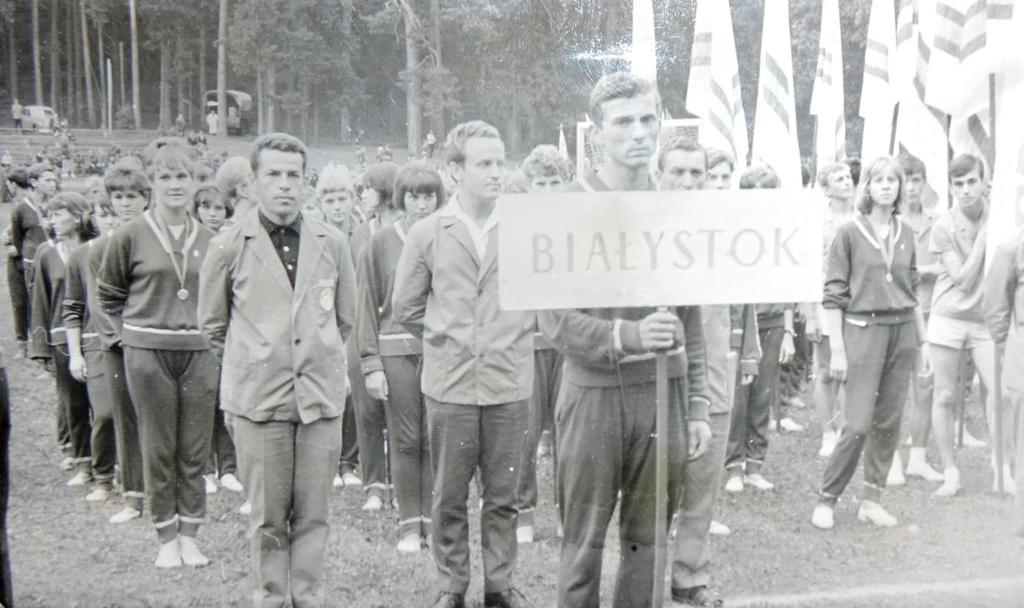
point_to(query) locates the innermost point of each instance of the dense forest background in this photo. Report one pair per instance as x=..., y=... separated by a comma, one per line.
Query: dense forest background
x=381, y=70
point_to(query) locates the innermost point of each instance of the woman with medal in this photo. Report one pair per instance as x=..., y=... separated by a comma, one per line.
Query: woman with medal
x=877, y=331
x=149, y=280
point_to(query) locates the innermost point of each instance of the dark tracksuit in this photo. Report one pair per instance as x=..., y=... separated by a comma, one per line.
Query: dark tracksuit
x=727, y=330
x=370, y=415
x=49, y=342
x=748, y=433
x=881, y=340
x=547, y=379
x=20, y=298
x=6, y=588
x=384, y=346
x=79, y=303
x=605, y=427
x=172, y=376
x=125, y=414
x=27, y=235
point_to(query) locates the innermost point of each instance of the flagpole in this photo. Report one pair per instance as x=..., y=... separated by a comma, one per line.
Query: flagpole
x=998, y=396
x=660, y=479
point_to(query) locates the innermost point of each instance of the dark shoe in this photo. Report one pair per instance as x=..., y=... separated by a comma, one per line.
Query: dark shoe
x=696, y=596
x=509, y=598
x=450, y=600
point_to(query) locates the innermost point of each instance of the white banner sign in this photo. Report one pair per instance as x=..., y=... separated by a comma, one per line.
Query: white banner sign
x=622, y=249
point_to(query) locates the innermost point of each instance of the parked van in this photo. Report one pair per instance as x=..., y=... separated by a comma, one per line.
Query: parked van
x=239, y=110
x=38, y=118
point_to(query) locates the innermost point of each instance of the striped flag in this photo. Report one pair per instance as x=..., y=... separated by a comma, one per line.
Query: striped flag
x=828, y=103
x=920, y=129
x=775, y=130
x=644, y=52
x=713, y=90
x=878, y=95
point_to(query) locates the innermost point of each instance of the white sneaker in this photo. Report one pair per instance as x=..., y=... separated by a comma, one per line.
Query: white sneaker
x=734, y=484
x=169, y=555
x=246, y=508
x=373, y=503
x=719, y=529
x=80, y=479
x=338, y=482
x=66, y=464
x=97, y=495
x=917, y=466
x=125, y=515
x=211, y=483
x=409, y=544
x=950, y=484
x=190, y=553
x=524, y=535
x=351, y=479
x=230, y=482
x=823, y=517
x=895, y=477
x=758, y=481
x=829, y=439
x=872, y=512
x=791, y=426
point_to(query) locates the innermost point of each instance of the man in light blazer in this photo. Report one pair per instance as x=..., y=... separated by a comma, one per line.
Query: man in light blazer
x=277, y=302
x=477, y=368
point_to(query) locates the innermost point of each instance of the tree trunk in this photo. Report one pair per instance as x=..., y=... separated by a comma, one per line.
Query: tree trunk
x=120, y=72
x=316, y=117
x=260, y=105
x=136, y=108
x=54, y=57
x=165, y=89
x=179, y=77
x=36, y=60
x=12, y=61
x=201, y=107
x=511, y=134
x=79, y=93
x=345, y=118
x=90, y=99
x=222, y=69
x=271, y=92
x=437, y=111
x=413, y=105
x=101, y=85
x=71, y=101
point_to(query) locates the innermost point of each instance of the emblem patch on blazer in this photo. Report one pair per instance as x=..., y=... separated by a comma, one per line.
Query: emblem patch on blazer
x=327, y=299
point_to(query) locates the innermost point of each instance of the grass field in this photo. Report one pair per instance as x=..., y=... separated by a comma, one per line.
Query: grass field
x=66, y=554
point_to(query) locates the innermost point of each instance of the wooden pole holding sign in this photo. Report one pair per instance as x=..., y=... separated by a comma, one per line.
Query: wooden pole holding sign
x=660, y=477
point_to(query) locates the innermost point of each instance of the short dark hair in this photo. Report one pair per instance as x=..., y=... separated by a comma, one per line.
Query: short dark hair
x=127, y=175
x=19, y=175
x=78, y=206
x=619, y=85
x=455, y=144
x=964, y=164
x=207, y=193
x=280, y=142
x=418, y=178
x=855, y=166
x=682, y=144
x=381, y=177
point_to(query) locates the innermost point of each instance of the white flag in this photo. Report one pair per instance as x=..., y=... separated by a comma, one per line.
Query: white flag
x=878, y=94
x=827, y=98
x=644, y=54
x=713, y=90
x=775, y=131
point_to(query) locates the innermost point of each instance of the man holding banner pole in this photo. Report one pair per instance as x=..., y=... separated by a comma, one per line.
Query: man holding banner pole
x=606, y=410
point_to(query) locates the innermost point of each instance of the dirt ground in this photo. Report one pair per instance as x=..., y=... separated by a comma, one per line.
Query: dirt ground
x=66, y=554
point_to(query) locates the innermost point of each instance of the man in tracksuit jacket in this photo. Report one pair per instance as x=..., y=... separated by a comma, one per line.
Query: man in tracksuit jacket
x=605, y=416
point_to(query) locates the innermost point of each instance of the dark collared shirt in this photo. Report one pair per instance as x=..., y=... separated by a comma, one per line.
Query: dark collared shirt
x=286, y=242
